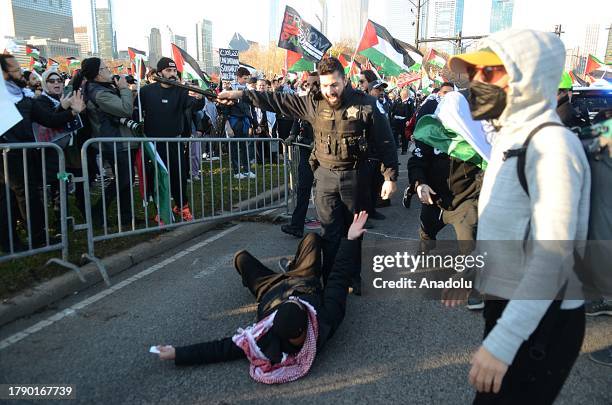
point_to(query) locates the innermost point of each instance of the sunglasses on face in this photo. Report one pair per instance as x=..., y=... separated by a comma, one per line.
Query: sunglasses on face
x=488, y=72
x=53, y=81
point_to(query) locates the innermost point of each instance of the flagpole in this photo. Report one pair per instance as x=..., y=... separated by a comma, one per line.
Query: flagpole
x=138, y=89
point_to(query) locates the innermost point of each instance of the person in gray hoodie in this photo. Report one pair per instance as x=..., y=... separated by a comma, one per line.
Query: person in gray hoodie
x=533, y=330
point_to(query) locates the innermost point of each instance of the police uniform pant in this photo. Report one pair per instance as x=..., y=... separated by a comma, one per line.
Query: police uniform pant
x=304, y=186
x=335, y=200
x=464, y=219
x=537, y=376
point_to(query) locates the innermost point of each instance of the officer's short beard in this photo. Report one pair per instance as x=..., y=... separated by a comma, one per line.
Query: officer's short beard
x=336, y=102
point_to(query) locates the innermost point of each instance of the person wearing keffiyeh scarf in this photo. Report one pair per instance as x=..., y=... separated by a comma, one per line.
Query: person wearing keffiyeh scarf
x=296, y=316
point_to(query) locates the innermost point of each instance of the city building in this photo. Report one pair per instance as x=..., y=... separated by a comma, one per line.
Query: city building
x=354, y=19
x=53, y=48
x=399, y=18
x=239, y=43
x=155, y=46
x=276, y=19
x=608, y=58
x=123, y=55
x=501, y=15
x=323, y=16
x=36, y=18
x=445, y=19
x=180, y=41
x=204, y=46
x=81, y=37
x=105, y=33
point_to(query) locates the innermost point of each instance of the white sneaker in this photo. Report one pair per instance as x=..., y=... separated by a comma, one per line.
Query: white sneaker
x=251, y=175
x=240, y=176
x=214, y=158
x=205, y=156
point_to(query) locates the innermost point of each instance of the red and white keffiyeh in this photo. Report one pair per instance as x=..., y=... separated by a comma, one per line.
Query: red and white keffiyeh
x=292, y=366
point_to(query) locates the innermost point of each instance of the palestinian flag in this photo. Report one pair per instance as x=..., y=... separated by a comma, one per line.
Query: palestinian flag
x=345, y=62
x=592, y=64
x=405, y=79
x=435, y=58
x=576, y=79
x=297, y=63
x=52, y=63
x=189, y=68
x=32, y=52
x=390, y=54
x=161, y=187
x=73, y=63
x=137, y=59
x=430, y=131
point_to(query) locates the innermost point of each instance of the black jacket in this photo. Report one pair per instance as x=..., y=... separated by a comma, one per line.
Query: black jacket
x=400, y=113
x=378, y=130
x=34, y=111
x=453, y=180
x=429, y=107
x=330, y=304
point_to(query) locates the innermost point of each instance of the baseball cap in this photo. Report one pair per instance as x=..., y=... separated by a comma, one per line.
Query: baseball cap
x=482, y=57
x=376, y=84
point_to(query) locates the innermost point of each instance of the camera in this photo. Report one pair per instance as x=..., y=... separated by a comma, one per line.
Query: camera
x=137, y=128
x=128, y=78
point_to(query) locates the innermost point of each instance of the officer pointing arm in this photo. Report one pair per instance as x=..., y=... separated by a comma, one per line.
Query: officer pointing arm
x=339, y=103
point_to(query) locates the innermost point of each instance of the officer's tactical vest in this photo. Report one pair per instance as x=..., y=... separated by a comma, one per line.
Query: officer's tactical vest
x=340, y=139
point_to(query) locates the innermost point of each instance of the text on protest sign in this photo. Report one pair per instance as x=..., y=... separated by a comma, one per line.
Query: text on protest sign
x=229, y=63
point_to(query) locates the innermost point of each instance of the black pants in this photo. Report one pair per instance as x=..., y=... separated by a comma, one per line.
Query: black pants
x=122, y=181
x=335, y=200
x=304, y=186
x=19, y=189
x=464, y=219
x=175, y=159
x=369, y=186
x=529, y=380
x=304, y=270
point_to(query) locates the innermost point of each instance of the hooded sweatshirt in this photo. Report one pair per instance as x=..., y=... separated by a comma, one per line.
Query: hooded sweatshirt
x=558, y=179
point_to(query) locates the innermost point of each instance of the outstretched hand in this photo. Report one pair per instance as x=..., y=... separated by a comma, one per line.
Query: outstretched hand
x=166, y=352
x=357, y=227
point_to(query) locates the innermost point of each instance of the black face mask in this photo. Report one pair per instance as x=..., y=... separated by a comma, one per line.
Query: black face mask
x=487, y=101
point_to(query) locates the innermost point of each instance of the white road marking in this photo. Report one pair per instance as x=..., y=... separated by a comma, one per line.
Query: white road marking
x=97, y=297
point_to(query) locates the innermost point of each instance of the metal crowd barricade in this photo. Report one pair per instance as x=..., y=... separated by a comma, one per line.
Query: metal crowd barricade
x=152, y=184
x=29, y=171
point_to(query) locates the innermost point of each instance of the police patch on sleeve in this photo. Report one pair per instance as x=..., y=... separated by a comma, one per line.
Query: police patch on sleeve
x=380, y=107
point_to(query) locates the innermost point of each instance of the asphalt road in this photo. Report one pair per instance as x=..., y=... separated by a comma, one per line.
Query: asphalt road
x=391, y=348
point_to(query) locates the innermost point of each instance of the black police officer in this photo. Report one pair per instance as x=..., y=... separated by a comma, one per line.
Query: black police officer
x=346, y=123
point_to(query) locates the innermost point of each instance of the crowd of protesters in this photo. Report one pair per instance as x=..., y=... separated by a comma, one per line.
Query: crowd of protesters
x=510, y=99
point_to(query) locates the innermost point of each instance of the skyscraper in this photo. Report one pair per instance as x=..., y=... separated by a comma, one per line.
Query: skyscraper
x=43, y=19
x=105, y=34
x=204, y=44
x=354, y=19
x=276, y=18
x=445, y=20
x=589, y=46
x=399, y=18
x=323, y=15
x=81, y=37
x=501, y=15
x=180, y=41
x=608, y=58
x=155, y=46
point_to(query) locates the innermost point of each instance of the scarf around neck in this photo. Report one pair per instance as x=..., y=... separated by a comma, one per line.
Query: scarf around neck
x=292, y=366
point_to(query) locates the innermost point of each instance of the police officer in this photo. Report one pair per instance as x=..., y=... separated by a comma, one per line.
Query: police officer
x=346, y=123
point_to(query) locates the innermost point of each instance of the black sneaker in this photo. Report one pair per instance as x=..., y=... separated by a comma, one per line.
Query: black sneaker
x=475, y=301
x=596, y=308
x=383, y=203
x=288, y=229
x=283, y=264
x=603, y=356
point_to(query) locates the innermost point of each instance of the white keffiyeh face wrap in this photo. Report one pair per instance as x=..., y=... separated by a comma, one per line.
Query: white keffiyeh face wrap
x=292, y=366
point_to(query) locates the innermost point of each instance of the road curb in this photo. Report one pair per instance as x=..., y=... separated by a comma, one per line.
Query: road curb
x=36, y=298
